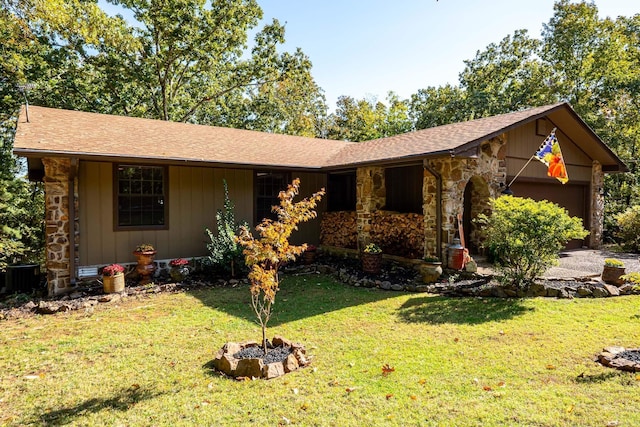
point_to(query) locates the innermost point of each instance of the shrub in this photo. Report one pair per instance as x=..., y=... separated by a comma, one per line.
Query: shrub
x=372, y=248
x=633, y=277
x=629, y=228
x=525, y=236
x=225, y=254
x=612, y=262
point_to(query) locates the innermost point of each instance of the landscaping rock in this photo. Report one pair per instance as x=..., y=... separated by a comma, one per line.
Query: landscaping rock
x=611, y=290
x=597, y=292
x=584, y=291
x=386, y=285
x=252, y=368
x=45, y=307
x=397, y=287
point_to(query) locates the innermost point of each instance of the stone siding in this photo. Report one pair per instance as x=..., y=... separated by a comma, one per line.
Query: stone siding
x=487, y=174
x=371, y=195
x=61, y=242
x=596, y=222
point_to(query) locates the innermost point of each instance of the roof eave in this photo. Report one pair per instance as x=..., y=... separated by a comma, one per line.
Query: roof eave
x=114, y=158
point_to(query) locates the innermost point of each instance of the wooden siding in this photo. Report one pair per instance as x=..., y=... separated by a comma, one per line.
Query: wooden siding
x=194, y=196
x=310, y=183
x=523, y=142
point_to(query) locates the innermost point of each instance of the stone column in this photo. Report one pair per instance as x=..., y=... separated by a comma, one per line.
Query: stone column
x=371, y=195
x=430, y=211
x=60, y=241
x=597, y=206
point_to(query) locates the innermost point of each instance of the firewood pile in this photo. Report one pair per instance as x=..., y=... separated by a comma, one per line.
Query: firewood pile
x=339, y=229
x=400, y=234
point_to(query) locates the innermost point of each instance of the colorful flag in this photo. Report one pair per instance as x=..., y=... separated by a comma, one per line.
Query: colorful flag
x=550, y=154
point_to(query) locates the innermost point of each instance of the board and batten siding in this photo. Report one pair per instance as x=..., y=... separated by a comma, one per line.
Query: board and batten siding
x=523, y=142
x=310, y=183
x=194, y=196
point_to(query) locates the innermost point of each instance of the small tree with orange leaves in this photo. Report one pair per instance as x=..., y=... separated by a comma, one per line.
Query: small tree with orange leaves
x=264, y=256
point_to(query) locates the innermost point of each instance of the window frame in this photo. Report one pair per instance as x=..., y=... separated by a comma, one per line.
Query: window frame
x=256, y=190
x=116, y=195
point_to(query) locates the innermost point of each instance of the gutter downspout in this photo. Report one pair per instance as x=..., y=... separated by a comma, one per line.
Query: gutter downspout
x=438, y=178
x=72, y=221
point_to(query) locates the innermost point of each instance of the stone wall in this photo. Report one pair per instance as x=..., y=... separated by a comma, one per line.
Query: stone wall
x=61, y=232
x=487, y=173
x=597, y=206
x=371, y=195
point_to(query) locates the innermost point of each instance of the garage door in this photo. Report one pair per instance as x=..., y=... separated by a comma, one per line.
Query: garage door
x=573, y=197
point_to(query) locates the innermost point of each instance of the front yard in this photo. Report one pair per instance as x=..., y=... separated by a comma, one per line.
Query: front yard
x=456, y=361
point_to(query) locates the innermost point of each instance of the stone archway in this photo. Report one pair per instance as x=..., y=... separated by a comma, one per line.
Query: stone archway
x=476, y=202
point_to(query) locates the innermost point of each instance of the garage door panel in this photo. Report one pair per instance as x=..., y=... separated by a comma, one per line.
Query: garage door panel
x=572, y=197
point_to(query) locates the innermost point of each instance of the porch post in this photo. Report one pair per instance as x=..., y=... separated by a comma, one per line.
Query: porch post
x=596, y=223
x=370, y=196
x=60, y=236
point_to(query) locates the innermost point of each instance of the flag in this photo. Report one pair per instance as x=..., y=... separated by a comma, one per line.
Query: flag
x=550, y=154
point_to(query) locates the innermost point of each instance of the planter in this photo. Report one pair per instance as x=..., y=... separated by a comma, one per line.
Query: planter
x=611, y=275
x=371, y=263
x=179, y=273
x=146, y=266
x=431, y=271
x=309, y=257
x=113, y=284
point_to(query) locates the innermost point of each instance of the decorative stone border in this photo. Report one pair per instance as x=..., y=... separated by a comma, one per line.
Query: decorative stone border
x=226, y=362
x=614, y=357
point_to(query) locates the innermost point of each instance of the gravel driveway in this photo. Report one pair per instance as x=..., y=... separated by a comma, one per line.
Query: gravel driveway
x=579, y=263
x=589, y=262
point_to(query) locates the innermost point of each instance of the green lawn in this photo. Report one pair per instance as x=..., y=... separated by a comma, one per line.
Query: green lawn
x=458, y=362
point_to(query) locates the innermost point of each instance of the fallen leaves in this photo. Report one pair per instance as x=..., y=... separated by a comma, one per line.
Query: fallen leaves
x=386, y=369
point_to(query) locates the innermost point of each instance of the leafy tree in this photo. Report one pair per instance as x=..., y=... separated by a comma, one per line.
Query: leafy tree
x=629, y=228
x=265, y=255
x=224, y=251
x=436, y=106
x=506, y=77
x=525, y=236
x=367, y=118
x=21, y=209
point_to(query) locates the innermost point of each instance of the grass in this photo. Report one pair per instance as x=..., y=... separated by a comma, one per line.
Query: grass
x=462, y=362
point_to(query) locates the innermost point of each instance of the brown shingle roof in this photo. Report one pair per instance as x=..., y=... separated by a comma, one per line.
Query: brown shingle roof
x=444, y=139
x=89, y=135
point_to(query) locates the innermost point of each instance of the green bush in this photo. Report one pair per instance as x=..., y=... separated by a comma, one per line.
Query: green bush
x=629, y=228
x=225, y=254
x=525, y=236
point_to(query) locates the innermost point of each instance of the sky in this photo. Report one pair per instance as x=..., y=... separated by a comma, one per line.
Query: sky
x=366, y=48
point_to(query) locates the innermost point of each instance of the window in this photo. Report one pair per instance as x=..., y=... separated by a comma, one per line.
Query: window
x=268, y=186
x=141, y=200
x=341, y=192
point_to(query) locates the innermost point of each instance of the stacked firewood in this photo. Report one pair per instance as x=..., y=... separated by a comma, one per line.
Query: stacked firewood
x=339, y=229
x=399, y=234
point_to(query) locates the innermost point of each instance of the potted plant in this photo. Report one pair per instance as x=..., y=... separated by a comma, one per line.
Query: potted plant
x=179, y=269
x=431, y=269
x=309, y=255
x=612, y=271
x=145, y=254
x=372, y=259
x=113, y=278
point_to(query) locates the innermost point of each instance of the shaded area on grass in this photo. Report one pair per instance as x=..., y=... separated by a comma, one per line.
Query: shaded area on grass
x=121, y=401
x=439, y=310
x=300, y=297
